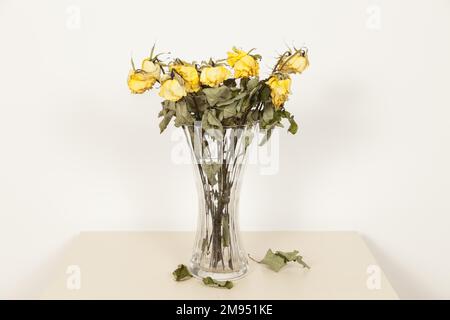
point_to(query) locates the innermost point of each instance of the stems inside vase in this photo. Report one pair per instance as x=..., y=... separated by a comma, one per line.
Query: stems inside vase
x=219, y=164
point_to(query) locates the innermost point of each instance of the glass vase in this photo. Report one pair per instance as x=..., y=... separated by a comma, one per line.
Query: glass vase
x=219, y=158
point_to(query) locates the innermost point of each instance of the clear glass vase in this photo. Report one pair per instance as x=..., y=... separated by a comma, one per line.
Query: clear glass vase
x=219, y=157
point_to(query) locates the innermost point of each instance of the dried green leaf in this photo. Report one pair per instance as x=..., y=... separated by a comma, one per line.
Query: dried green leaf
x=215, y=95
x=256, y=115
x=205, y=123
x=257, y=56
x=220, y=116
x=196, y=103
x=265, y=93
x=166, y=120
x=168, y=105
x=293, y=127
x=239, y=105
x=230, y=110
x=239, y=96
x=268, y=112
x=245, y=105
x=181, y=109
x=276, y=261
x=299, y=259
x=181, y=273
x=273, y=261
x=183, y=116
x=253, y=94
x=217, y=284
x=288, y=256
x=252, y=83
x=249, y=117
x=213, y=121
x=266, y=137
x=243, y=83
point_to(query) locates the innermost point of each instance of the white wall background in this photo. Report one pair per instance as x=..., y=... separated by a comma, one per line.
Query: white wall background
x=78, y=152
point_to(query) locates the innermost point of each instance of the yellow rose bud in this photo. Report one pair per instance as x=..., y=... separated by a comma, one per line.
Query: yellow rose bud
x=280, y=89
x=189, y=75
x=295, y=64
x=213, y=76
x=244, y=65
x=139, y=81
x=172, y=90
x=151, y=68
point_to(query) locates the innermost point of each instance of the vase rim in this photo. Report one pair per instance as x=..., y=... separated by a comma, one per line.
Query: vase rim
x=228, y=127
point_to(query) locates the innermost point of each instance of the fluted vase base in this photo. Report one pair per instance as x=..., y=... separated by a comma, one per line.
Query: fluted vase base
x=199, y=273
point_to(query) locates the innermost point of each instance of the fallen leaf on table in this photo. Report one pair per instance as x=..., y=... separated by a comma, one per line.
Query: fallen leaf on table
x=181, y=273
x=217, y=284
x=276, y=261
x=273, y=261
x=299, y=259
x=288, y=256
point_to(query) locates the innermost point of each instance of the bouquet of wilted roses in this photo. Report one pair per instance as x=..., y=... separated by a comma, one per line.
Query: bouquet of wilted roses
x=217, y=111
x=208, y=92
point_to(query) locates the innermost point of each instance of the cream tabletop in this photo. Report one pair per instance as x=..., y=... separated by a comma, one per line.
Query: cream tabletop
x=138, y=265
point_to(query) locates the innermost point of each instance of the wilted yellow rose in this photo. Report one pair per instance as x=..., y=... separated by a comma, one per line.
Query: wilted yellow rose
x=164, y=77
x=279, y=90
x=140, y=81
x=295, y=64
x=151, y=68
x=172, y=90
x=189, y=75
x=235, y=55
x=213, y=76
x=246, y=67
x=244, y=64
